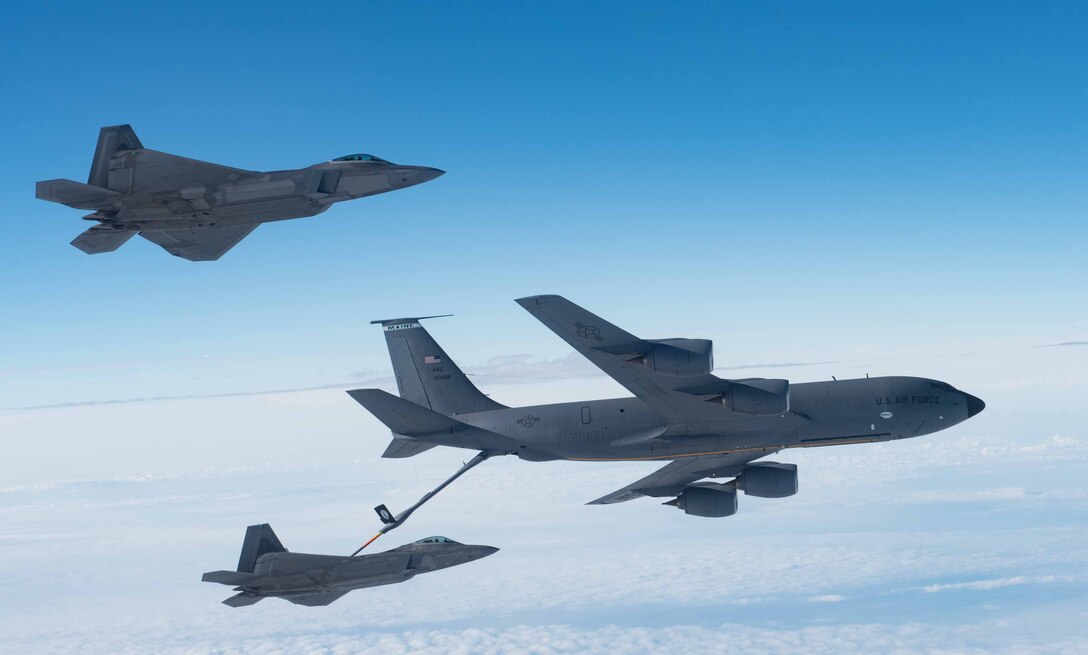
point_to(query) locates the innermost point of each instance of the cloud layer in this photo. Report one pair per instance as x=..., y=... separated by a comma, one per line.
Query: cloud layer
x=927, y=545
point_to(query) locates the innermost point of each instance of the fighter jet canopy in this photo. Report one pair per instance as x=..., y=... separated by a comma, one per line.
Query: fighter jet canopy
x=436, y=540
x=362, y=156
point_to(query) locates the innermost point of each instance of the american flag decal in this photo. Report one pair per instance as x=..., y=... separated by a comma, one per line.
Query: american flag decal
x=431, y=359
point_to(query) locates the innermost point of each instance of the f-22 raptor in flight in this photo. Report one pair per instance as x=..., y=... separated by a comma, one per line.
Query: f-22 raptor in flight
x=198, y=210
x=709, y=427
x=267, y=570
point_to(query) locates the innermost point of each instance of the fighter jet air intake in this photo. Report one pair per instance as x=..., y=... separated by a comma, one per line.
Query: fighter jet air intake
x=706, y=427
x=267, y=570
x=198, y=210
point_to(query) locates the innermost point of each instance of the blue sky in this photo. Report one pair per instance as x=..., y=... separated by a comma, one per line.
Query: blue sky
x=856, y=187
x=893, y=169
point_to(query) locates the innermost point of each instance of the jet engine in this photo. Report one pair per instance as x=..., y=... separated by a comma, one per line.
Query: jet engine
x=710, y=500
x=758, y=397
x=769, y=480
x=679, y=357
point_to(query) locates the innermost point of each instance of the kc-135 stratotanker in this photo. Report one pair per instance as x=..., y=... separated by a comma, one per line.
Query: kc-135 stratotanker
x=709, y=427
x=198, y=210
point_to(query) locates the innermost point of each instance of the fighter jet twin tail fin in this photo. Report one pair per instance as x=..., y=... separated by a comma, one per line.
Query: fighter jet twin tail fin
x=260, y=539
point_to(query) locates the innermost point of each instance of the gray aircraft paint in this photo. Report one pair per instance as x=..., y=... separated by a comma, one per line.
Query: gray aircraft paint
x=267, y=570
x=199, y=210
x=691, y=417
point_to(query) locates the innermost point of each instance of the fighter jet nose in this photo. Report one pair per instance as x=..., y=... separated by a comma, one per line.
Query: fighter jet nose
x=974, y=405
x=427, y=174
x=483, y=551
x=420, y=174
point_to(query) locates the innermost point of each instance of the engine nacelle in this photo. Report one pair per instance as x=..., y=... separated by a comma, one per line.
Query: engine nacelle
x=679, y=357
x=712, y=500
x=758, y=397
x=769, y=480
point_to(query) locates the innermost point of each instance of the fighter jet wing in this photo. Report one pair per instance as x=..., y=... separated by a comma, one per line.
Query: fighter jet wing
x=316, y=599
x=670, y=480
x=677, y=398
x=203, y=244
x=152, y=169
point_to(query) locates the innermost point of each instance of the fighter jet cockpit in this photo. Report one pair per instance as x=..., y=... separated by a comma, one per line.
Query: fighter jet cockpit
x=436, y=540
x=362, y=157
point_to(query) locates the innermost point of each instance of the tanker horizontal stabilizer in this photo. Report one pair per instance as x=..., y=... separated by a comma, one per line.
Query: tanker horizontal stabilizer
x=408, y=419
x=401, y=447
x=403, y=416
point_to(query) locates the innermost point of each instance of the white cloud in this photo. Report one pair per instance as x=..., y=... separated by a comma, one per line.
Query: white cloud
x=727, y=639
x=149, y=495
x=996, y=583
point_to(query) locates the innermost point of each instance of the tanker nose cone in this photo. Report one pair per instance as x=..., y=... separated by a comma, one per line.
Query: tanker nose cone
x=974, y=405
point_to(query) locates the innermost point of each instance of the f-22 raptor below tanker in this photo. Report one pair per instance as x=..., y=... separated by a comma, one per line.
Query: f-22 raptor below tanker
x=198, y=210
x=709, y=427
x=267, y=570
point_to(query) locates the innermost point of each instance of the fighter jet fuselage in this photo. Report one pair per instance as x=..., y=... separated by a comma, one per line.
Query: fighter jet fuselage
x=158, y=199
x=267, y=570
x=198, y=210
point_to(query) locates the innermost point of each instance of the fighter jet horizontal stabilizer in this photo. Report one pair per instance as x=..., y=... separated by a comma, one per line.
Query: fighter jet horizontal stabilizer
x=228, y=577
x=102, y=238
x=243, y=599
x=74, y=194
